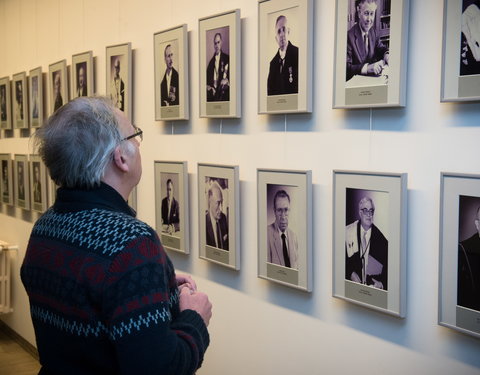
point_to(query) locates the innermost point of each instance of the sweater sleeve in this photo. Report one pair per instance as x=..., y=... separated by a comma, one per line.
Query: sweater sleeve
x=140, y=306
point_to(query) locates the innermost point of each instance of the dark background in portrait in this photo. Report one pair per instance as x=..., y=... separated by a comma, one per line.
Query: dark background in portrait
x=209, y=47
x=164, y=176
x=473, y=66
x=3, y=103
x=223, y=182
x=5, y=182
x=83, y=65
x=35, y=97
x=293, y=214
x=467, y=211
x=54, y=75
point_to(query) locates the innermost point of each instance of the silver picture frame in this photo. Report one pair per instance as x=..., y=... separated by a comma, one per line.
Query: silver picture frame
x=82, y=75
x=119, y=77
x=6, y=182
x=57, y=86
x=20, y=100
x=21, y=178
x=38, y=184
x=36, y=107
x=5, y=104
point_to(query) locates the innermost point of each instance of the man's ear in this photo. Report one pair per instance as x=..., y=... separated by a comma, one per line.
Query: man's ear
x=119, y=159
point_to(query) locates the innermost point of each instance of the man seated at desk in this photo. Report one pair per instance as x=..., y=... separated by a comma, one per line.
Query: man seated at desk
x=366, y=54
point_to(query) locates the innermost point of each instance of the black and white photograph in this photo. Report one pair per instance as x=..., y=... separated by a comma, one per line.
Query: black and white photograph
x=461, y=51
x=171, y=200
x=284, y=227
x=6, y=187
x=371, y=46
x=58, y=85
x=369, y=249
x=20, y=100
x=459, y=268
x=21, y=177
x=82, y=75
x=5, y=95
x=218, y=195
x=119, y=77
x=220, y=65
x=171, y=74
x=38, y=184
x=285, y=58
x=36, y=100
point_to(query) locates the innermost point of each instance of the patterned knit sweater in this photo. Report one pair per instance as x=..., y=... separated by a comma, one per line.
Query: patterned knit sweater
x=103, y=295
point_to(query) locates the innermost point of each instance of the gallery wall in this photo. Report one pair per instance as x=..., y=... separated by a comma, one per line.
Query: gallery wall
x=259, y=327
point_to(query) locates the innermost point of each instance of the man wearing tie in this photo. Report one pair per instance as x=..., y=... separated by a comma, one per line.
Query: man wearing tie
x=366, y=258
x=281, y=240
x=170, y=211
x=216, y=223
x=218, y=74
x=117, y=87
x=169, y=85
x=366, y=54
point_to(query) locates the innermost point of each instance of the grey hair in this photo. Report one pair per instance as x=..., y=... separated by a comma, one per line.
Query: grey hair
x=365, y=200
x=77, y=142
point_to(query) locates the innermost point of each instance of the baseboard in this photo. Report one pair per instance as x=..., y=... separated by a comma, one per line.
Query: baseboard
x=19, y=340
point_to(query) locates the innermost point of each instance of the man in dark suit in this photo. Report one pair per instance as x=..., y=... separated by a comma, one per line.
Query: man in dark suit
x=170, y=211
x=468, y=288
x=37, y=187
x=81, y=80
x=117, y=87
x=366, y=248
x=218, y=73
x=366, y=54
x=169, y=90
x=57, y=88
x=216, y=223
x=283, y=72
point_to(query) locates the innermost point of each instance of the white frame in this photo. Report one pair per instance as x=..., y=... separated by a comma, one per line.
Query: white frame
x=62, y=67
x=302, y=29
x=300, y=221
x=232, y=107
x=451, y=315
x=179, y=35
x=40, y=206
x=7, y=124
x=9, y=197
x=370, y=92
x=393, y=225
x=87, y=59
x=36, y=122
x=20, y=123
x=178, y=241
x=229, y=258
x=455, y=88
x=124, y=50
x=21, y=203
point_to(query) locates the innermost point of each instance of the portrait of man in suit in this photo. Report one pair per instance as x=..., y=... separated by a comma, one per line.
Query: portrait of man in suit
x=34, y=97
x=170, y=211
x=218, y=71
x=366, y=54
x=3, y=103
x=366, y=249
x=283, y=71
x=169, y=88
x=117, y=86
x=216, y=222
x=19, y=100
x=5, y=189
x=282, y=243
x=57, y=89
x=21, y=181
x=37, y=186
x=81, y=79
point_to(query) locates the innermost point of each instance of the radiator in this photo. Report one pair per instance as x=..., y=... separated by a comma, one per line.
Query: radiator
x=5, y=277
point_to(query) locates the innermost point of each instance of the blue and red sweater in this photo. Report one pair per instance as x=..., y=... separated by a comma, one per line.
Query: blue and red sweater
x=103, y=294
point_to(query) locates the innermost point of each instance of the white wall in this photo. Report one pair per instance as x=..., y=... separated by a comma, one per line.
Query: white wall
x=260, y=327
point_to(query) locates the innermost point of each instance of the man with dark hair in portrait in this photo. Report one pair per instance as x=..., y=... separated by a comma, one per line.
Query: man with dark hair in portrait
x=366, y=249
x=57, y=90
x=21, y=181
x=470, y=42
x=5, y=189
x=169, y=90
x=106, y=299
x=216, y=223
x=283, y=72
x=3, y=103
x=117, y=87
x=282, y=242
x=37, y=187
x=19, y=99
x=81, y=80
x=218, y=73
x=366, y=54
x=468, y=294
x=170, y=211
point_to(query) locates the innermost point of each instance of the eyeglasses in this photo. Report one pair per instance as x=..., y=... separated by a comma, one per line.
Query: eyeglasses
x=368, y=212
x=138, y=133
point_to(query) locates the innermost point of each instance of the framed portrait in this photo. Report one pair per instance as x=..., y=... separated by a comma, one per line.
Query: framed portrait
x=285, y=227
x=5, y=104
x=285, y=50
x=171, y=74
x=461, y=51
x=371, y=40
x=369, y=239
x=22, y=186
x=82, y=75
x=219, y=214
x=20, y=100
x=35, y=95
x=220, y=65
x=6, y=187
x=171, y=204
x=57, y=85
x=459, y=271
x=119, y=77
x=38, y=184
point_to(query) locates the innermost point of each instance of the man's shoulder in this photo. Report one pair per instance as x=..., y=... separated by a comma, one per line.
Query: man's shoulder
x=378, y=233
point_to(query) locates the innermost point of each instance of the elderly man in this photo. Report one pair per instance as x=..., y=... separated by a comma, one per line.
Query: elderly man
x=216, y=223
x=366, y=248
x=281, y=240
x=117, y=86
x=104, y=297
x=169, y=86
x=283, y=72
x=218, y=73
x=366, y=54
x=469, y=269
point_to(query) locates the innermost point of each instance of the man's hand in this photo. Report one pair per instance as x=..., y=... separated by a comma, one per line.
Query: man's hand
x=186, y=281
x=196, y=301
x=375, y=68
